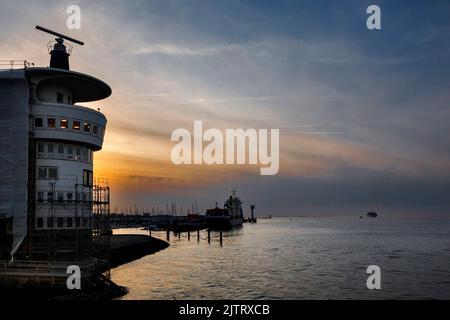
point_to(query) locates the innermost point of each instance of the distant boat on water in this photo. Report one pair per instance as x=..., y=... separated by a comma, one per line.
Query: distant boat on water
x=372, y=214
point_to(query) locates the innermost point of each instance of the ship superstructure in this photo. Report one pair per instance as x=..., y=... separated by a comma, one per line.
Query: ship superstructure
x=230, y=216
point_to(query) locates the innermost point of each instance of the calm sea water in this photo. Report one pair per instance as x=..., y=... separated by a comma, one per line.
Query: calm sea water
x=298, y=258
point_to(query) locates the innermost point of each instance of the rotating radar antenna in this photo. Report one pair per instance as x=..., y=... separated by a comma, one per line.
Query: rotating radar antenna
x=59, y=51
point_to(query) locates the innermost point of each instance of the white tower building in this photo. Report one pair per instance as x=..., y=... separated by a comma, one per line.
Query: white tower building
x=51, y=208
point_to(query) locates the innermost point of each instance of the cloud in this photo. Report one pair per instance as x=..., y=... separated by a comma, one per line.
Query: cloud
x=348, y=102
x=145, y=180
x=368, y=61
x=173, y=49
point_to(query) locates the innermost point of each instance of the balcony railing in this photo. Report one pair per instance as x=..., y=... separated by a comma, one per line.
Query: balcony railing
x=42, y=268
x=15, y=64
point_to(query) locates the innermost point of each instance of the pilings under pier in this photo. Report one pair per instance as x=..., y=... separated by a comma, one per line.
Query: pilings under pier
x=187, y=235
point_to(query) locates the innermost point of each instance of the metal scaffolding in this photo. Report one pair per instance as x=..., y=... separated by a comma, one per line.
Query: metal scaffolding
x=86, y=243
x=101, y=232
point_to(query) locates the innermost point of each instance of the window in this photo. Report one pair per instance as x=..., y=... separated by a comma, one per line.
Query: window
x=53, y=173
x=40, y=147
x=85, y=222
x=85, y=154
x=59, y=97
x=50, y=148
x=38, y=123
x=78, y=152
x=87, y=178
x=51, y=123
x=76, y=125
x=91, y=156
x=69, y=196
x=69, y=151
x=47, y=173
x=95, y=130
x=64, y=123
x=60, y=148
x=40, y=223
x=49, y=197
x=69, y=222
x=42, y=173
x=49, y=222
x=87, y=127
x=60, y=197
x=60, y=222
x=69, y=99
x=40, y=197
x=77, y=222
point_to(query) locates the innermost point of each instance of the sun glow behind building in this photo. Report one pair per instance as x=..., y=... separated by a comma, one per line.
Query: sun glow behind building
x=363, y=117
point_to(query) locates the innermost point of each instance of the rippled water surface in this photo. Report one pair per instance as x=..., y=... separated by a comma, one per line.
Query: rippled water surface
x=298, y=258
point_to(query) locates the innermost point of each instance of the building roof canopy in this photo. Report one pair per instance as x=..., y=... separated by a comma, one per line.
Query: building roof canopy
x=84, y=87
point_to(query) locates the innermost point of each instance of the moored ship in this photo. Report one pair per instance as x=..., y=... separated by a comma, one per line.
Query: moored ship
x=231, y=216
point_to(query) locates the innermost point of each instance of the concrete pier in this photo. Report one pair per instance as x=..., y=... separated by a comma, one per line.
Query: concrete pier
x=126, y=248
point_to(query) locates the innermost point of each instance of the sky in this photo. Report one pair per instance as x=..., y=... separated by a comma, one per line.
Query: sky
x=363, y=114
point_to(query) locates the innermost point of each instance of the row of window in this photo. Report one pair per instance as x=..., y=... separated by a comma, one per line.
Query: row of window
x=63, y=197
x=60, y=98
x=47, y=173
x=64, y=123
x=64, y=151
x=57, y=97
x=61, y=222
x=51, y=173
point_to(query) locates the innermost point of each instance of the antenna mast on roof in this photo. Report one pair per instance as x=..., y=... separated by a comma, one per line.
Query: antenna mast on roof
x=60, y=35
x=59, y=56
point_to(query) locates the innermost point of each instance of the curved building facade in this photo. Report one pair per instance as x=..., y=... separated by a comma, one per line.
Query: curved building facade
x=63, y=139
x=52, y=209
